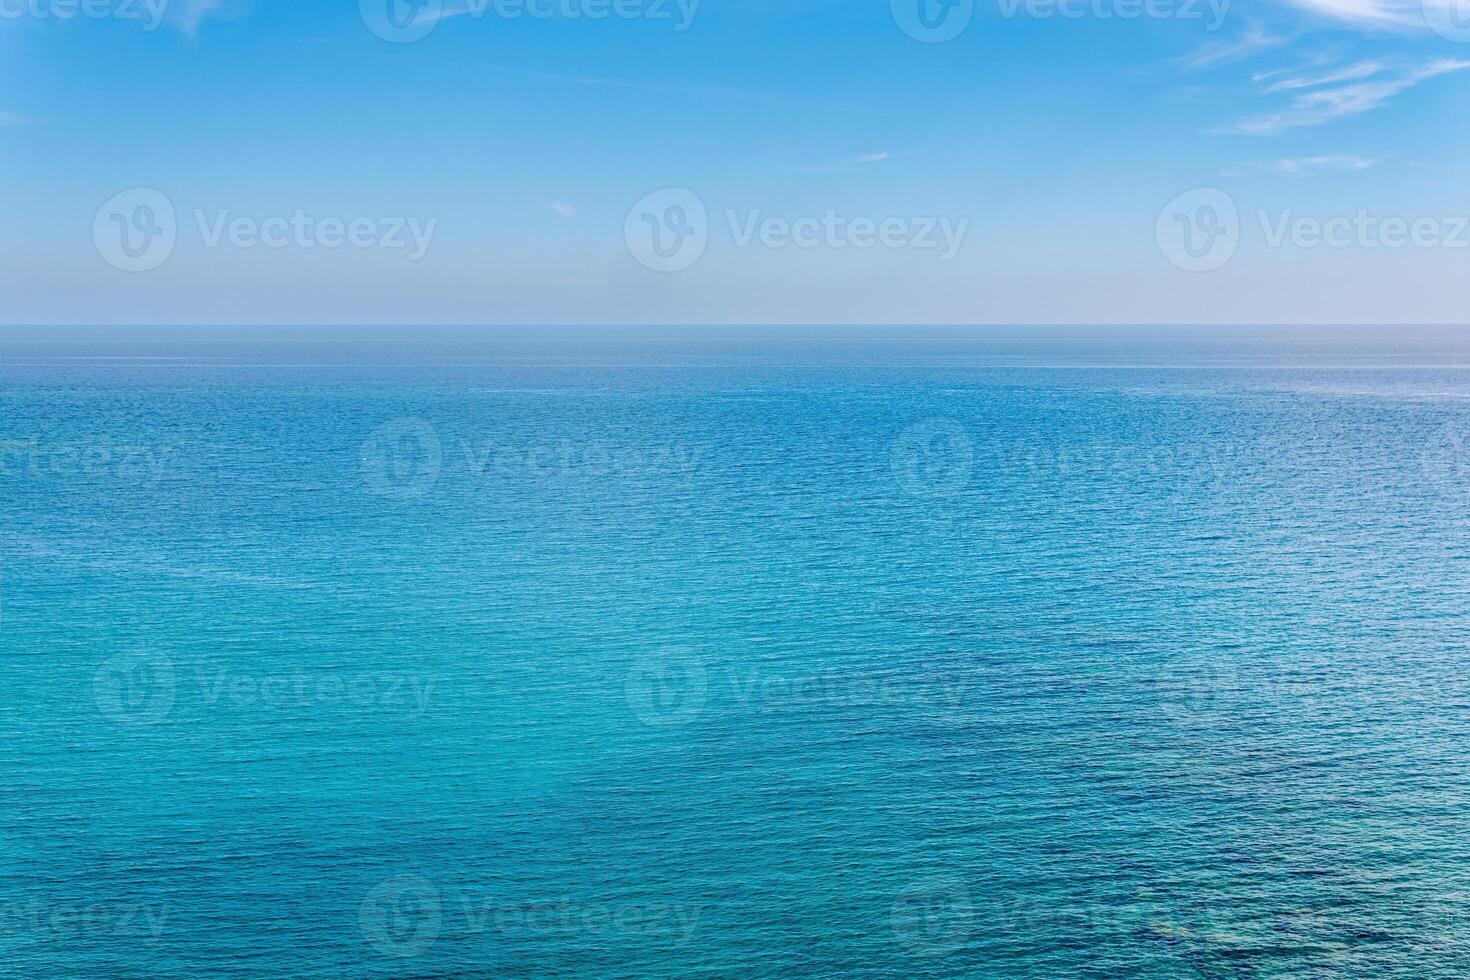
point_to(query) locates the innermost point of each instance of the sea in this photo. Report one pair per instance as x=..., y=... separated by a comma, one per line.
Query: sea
x=734, y=652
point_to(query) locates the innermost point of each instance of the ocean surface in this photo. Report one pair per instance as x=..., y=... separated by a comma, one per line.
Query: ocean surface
x=727, y=653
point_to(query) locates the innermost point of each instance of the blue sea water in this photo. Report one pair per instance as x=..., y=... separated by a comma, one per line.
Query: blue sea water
x=621, y=653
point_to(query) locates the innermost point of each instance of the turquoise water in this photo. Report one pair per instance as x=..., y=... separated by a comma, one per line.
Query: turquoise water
x=650, y=654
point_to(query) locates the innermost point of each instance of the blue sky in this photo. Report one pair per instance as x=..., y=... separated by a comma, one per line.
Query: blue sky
x=520, y=149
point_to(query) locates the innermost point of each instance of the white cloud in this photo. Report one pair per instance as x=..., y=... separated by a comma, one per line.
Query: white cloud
x=1321, y=59
x=1365, y=69
x=1255, y=40
x=1367, y=13
x=1381, y=16
x=564, y=209
x=1305, y=166
x=1322, y=105
x=1309, y=166
x=187, y=15
x=863, y=160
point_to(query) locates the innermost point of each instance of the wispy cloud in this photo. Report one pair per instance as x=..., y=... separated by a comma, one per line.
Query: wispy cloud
x=1367, y=13
x=1255, y=40
x=1311, y=166
x=8, y=119
x=1320, y=59
x=564, y=209
x=1321, y=105
x=863, y=161
x=1186, y=94
x=1305, y=166
x=1350, y=73
x=187, y=15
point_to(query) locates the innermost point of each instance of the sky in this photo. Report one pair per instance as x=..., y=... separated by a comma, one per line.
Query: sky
x=734, y=161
